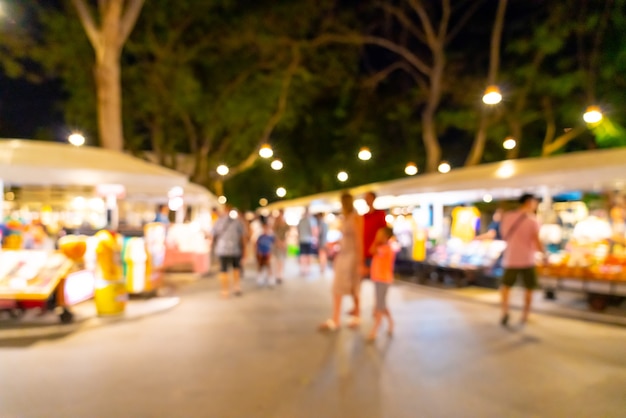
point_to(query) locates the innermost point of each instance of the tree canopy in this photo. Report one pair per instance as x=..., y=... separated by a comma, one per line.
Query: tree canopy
x=208, y=82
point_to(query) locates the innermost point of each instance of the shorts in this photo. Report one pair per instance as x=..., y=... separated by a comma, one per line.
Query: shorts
x=229, y=261
x=306, y=248
x=381, y=296
x=529, y=276
x=263, y=260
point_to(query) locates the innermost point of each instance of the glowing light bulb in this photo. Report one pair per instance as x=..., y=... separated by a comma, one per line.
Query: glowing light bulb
x=222, y=170
x=76, y=139
x=277, y=165
x=266, y=151
x=492, y=95
x=593, y=114
x=365, y=154
x=342, y=176
x=444, y=167
x=509, y=143
x=410, y=169
x=281, y=192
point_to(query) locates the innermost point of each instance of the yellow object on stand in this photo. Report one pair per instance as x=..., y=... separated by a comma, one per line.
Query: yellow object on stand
x=110, y=294
x=420, y=236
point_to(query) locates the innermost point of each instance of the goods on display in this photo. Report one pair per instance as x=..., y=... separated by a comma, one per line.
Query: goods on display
x=31, y=275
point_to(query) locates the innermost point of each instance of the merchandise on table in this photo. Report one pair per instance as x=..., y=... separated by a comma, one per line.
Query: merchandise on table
x=186, y=244
x=595, y=250
x=465, y=223
x=467, y=255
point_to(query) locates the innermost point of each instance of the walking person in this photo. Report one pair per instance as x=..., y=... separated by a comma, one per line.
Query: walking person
x=373, y=220
x=307, y=237
x=322, y=240
x=520, y=230
x=383, y=257
x=280, y=229
x=347, y=279
x=264, y=247
x=229, y=236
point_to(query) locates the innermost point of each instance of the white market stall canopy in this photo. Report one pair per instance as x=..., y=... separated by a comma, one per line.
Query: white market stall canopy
x=194, y=194
x=28, y=162
x=596, y=170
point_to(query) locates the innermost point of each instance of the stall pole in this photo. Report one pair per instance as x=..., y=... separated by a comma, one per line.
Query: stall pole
x=180, y=215
x=438, y=219
x=113, y=209
x=546, y=204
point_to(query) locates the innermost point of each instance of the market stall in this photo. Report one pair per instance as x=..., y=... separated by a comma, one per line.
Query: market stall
x=38, y=279
x=430, y=200
x=50, y=190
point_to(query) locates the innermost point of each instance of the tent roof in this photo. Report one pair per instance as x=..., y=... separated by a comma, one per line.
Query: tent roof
x=29, y=162
x=589, y=171
x=192, y=193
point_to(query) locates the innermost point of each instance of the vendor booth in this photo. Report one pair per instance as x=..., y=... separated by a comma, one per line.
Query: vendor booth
x=51, y=190
x=582, y=211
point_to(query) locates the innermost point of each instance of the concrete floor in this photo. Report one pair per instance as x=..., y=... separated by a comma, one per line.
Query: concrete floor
x=260, y=357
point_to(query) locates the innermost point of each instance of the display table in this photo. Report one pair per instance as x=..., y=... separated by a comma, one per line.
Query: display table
x=31, y=275
x=601, y=292
x=461, y=263
x=187, y=249
x=43, y=280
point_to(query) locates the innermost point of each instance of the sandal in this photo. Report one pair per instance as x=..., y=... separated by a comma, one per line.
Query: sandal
x=354, y=322
x=328, y=325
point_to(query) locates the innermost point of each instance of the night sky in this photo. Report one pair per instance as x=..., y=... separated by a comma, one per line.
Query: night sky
x=29, y=110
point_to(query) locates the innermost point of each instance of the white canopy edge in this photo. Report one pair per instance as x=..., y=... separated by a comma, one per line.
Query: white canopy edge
x=193, y=194
x=596, y=170
x=30, y=162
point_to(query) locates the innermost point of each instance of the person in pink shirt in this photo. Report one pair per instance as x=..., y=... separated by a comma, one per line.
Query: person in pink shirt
x=520, y=230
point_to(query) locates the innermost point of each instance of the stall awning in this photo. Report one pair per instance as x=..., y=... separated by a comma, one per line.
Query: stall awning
x=28, y=162
x=596, y=170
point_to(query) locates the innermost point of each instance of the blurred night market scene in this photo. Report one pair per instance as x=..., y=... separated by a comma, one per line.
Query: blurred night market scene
x=313, y=208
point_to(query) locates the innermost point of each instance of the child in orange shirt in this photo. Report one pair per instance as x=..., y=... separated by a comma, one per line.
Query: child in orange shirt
x=382, y=276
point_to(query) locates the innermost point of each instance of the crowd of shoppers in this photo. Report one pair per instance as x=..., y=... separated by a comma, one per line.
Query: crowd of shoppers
x=366, y=251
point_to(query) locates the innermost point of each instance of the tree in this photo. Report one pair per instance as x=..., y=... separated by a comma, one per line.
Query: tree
x=428, y=29
x=116, y=21
x=480, y=139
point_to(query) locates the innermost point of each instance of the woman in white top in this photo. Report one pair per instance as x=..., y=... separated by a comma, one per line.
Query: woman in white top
x=347, y=264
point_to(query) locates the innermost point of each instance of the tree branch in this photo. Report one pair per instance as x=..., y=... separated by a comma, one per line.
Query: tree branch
x=445, y=21
x=496, y=38
x=562, y=140
x=550, y=122
x=129, y=19
x=594, y=56
x=86, y=19
x=463, y=20
x=358, y=39
x=278, y=114
x=381, y=75
x=404, y=20
x=418, y=7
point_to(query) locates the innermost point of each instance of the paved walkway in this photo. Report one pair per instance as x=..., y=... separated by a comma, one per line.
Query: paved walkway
x=259, y=356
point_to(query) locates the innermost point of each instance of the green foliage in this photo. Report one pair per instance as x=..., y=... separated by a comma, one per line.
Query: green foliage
x=205, y=78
